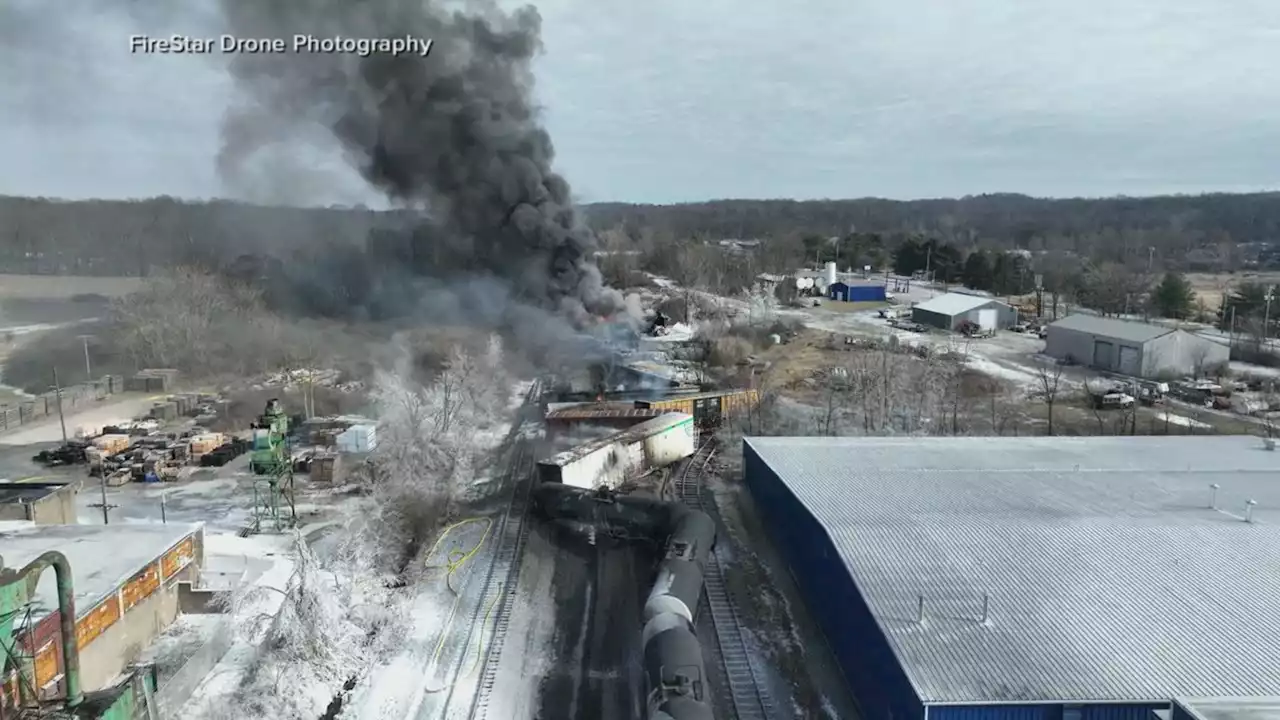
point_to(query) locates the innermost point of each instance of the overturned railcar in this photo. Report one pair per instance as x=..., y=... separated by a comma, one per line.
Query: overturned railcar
x=612, y=460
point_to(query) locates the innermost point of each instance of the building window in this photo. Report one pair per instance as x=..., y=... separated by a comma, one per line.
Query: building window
x=1072, y=712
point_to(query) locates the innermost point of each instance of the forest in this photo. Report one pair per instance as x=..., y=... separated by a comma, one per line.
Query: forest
x=1216, y=232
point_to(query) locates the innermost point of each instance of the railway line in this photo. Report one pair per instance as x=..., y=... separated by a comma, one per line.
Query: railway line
x=746, y=690
x=459, y=692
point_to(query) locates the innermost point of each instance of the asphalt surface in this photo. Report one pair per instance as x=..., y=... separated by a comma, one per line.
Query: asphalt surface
x=598, y=592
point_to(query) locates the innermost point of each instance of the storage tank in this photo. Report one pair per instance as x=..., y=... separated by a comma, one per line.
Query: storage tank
x=831, y=274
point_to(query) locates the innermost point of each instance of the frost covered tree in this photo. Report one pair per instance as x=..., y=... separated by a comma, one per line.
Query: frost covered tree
x=435, y=439
x=762, y=305
x=308, y=636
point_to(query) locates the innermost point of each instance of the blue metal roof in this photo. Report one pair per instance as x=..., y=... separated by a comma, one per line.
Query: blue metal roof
x=1106, y=575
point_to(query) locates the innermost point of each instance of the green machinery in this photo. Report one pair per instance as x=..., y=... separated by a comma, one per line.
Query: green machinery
x=16, y=590
x=272, y=466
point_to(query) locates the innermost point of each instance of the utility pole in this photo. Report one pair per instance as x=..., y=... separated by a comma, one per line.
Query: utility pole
x=88, y=368
x=1266, y=313
x=57, y=389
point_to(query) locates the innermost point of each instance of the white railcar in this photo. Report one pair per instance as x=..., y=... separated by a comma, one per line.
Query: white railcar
x=611, y=460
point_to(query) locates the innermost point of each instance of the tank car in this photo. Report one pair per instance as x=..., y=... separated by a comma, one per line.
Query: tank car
x=673, y=664
x=677, y=590
x=692, y=536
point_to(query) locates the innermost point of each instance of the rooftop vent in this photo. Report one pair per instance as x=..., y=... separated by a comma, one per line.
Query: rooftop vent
x=1248, y=511
x=1269, y=443
x=1213, y=496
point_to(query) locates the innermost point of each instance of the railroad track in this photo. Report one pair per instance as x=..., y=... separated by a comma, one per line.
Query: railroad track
x=751, y=700
x=500, y=583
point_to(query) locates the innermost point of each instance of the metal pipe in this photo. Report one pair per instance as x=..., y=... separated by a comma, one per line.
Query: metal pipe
x=1213, y=496
x=66, y=615
x=1248, y=511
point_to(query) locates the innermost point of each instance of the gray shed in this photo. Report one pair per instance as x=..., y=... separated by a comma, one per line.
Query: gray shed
x=1132, y=348
x=951, y=310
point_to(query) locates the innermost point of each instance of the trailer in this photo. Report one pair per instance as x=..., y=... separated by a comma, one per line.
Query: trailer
x=611, y=461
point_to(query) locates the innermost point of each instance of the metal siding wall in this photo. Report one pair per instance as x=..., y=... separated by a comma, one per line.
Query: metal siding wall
x=866, y=293
x=869, y=665
x=995, y=712
x=933, y=319
x=1063, y=342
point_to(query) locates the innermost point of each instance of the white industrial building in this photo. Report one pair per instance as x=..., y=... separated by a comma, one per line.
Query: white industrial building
x=1132, y=348
x=952, y=310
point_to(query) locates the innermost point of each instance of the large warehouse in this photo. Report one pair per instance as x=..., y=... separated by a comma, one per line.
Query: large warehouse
x=952, y=310
x=1045, y=578
x=1132, y=348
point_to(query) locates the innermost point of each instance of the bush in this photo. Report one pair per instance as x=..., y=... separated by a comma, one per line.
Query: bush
x=728, y=351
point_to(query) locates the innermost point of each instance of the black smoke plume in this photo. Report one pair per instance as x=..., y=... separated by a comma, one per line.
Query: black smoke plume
x=454, y=133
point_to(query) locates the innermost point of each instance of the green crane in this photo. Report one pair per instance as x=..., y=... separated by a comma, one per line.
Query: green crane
x=16, y=589
x=272, y=466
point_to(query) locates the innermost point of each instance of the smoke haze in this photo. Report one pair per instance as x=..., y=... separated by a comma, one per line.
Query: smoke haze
x=455, y=133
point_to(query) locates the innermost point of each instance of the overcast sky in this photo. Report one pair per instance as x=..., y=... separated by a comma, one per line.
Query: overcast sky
x=671, y=100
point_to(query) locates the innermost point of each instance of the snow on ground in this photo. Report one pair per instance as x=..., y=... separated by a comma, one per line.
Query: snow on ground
x=180, y=641
x=210, y=696
x=1246, y=369
x=676, y=333
x=1181, y=420
x=1023, y=377
x=417, y=679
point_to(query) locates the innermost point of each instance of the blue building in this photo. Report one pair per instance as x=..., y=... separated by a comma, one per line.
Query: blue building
x=844, y=292
x=1045, y=578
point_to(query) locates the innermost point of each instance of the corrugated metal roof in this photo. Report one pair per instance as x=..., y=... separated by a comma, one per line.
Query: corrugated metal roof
x=954, y=303
x=1111, y=327
x=1267, y=708
x=631, y=434
x=1110, y=578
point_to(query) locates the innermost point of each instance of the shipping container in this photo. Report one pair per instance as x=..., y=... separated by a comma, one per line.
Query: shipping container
x=636, y=451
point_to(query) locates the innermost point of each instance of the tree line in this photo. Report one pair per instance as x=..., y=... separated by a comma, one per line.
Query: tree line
x=1203, y=231
x=132, y=238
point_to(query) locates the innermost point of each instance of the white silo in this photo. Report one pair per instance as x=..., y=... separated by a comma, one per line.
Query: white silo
x=831, y=274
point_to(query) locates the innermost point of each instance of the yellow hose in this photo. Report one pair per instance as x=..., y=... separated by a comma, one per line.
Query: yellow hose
x=454, y=561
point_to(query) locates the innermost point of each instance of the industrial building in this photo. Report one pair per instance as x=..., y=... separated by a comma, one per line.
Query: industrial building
x=1043, y=578
x=43, y=503
x=125, y=588
x=841, y=291
x=952, y=310
x=1132, y=348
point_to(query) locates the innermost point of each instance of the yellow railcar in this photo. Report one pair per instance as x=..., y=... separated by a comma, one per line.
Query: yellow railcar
x=709, y=409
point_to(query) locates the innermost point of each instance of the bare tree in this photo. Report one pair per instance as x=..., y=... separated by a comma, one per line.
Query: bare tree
x=1050, y=385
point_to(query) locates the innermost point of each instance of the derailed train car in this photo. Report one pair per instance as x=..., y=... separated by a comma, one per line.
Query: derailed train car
x=709, y=409
x=610, y=461
x=674, y=671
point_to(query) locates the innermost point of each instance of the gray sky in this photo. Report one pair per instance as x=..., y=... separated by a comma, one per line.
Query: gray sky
x=670, y=100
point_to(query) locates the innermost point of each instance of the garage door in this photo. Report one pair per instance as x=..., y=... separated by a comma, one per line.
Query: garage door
x=1129, y=364
x=1102, y=353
